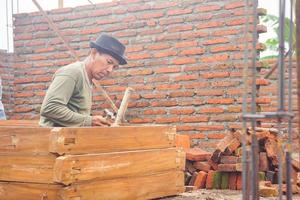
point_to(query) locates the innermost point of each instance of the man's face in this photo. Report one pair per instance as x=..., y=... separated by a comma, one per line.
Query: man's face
x=103, y=65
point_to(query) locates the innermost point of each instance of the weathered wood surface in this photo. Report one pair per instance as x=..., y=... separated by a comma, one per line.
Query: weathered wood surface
x=111, y=139
x=27, y=168
x=21, y=123
x=72, y=168
x=24, y=140
x=29, y=191
x=144, y=187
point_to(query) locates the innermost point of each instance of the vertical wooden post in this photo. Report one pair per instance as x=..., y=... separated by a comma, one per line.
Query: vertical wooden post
x=60, y=3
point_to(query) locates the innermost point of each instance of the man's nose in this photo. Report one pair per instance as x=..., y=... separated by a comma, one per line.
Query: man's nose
x=110, y=68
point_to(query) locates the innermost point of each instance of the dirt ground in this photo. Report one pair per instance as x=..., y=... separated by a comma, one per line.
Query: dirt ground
x=203, y=194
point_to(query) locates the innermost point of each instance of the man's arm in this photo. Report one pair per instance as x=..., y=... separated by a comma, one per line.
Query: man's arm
x=55, y=108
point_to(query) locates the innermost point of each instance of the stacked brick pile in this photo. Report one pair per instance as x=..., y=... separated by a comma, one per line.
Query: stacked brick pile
x=222, y=168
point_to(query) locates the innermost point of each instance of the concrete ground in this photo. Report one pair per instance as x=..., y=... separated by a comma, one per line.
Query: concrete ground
x=204, y=194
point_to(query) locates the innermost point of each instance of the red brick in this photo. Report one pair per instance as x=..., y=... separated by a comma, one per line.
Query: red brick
x=164, y=5
x=138, y=56
x=192, y=119
x=200, y=180
x=35, y=57
x=236, y=22
x=139, y=8
x=185, y=44
x=233, y=5
x=196, y=68
x=154, y=112
x=23, y=94
x=141, y=120
x=235, y=109
x=158, y=78
x=185, y=128
x=179, y=28
x=202, y=166
x=210, y=24
x=194, y=51
x=167, y=120
x=179, y=12
x=106, y=21
x=232, y=181
x=90, y=31
x=215, y=75
x=211, y=110
x=151, y=15
x=100, y=13
x=165, y=54
x=210, y=179
x=170, y=21
x=263, y=162
x=208, y=8
x=151, y=31
x=197, y=136
x=134, y=72
x=181, y=94
x=126, y=34
x=186, y=77
x=239, y=181
x=216, y=135
x=43, y=50
x=216, y=58
x=181, y=111
x=224, y=48
x=262, y=82
x=229, y=159
x=196, y=85
x=183, y=141
x=221, y=40
x=197, y=154
x=226, y=32
x=182, y=61
x=142, y=87
x=158, y=46
x=168, y=87
x=194, y=34
x=220, y=101
x=210, y=92
x=227, y=167
x=173, y=69
x=163, y=103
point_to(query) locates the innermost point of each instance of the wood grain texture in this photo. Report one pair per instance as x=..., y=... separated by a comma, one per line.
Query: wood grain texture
x=144, y=187
x=73, y=168
x=36, y=169
x=111, y=139
x=20, y=123
x=29, y=191
x=24, y=140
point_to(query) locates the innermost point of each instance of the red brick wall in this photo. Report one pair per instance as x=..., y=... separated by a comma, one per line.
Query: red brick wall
x=7, y=76
x=185, y=60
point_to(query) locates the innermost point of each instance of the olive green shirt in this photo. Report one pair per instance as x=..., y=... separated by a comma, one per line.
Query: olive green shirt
x=68, y=100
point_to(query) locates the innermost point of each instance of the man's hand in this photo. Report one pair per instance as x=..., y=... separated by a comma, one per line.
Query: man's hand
x=100, y=121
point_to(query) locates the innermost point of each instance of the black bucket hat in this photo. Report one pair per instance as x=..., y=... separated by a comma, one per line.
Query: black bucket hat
x=110, y=45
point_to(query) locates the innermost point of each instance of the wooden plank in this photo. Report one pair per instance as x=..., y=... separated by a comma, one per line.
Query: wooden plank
x=29, y=191
x=111, y=139
x=144, y=187
x=36, y=169
x=73, y=168
x=24, y=140
x=21, y=123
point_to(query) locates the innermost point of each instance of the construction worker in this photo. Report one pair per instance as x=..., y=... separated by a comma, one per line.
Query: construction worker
x=68, y=100
x=2, y=113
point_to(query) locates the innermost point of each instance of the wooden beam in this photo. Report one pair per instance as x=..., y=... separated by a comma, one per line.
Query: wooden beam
x=143, y=187
x=76, y=168
x=110, y=139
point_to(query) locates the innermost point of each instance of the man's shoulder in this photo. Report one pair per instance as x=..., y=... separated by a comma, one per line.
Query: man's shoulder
x=73, y=70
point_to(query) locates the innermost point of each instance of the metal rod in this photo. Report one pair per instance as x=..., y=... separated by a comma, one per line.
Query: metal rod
x=297, y=11
x=290, y=78
x=254, y=175
x=245, y=171
x=276, y=65
x=73, y=53
x=90, y=2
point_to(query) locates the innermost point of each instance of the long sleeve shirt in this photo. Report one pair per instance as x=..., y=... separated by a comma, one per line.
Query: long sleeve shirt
x=68, y=100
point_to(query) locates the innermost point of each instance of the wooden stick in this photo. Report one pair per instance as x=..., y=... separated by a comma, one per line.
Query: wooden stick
x=298, y=62
x=73, y=53
x=123, y=106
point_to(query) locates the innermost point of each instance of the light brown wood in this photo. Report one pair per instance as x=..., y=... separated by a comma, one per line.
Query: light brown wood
x=21, y=123
x=36, y=169
x=24, y=140
x=73, y=168
x=29, y=191
x=111, y=139
x=145, y=187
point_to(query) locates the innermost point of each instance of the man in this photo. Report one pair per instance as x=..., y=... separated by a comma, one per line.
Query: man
x=2, y=113
x=68, y=100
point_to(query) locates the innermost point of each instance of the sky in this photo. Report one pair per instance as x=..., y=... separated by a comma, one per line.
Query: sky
x=21, y=6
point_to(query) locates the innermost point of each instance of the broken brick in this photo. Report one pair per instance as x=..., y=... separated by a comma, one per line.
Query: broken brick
x=210, y=179
x=239, y=181
x=227, y=167
x=200, y=180
x=197, y=154
x=229, y=159
x=202, y=166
